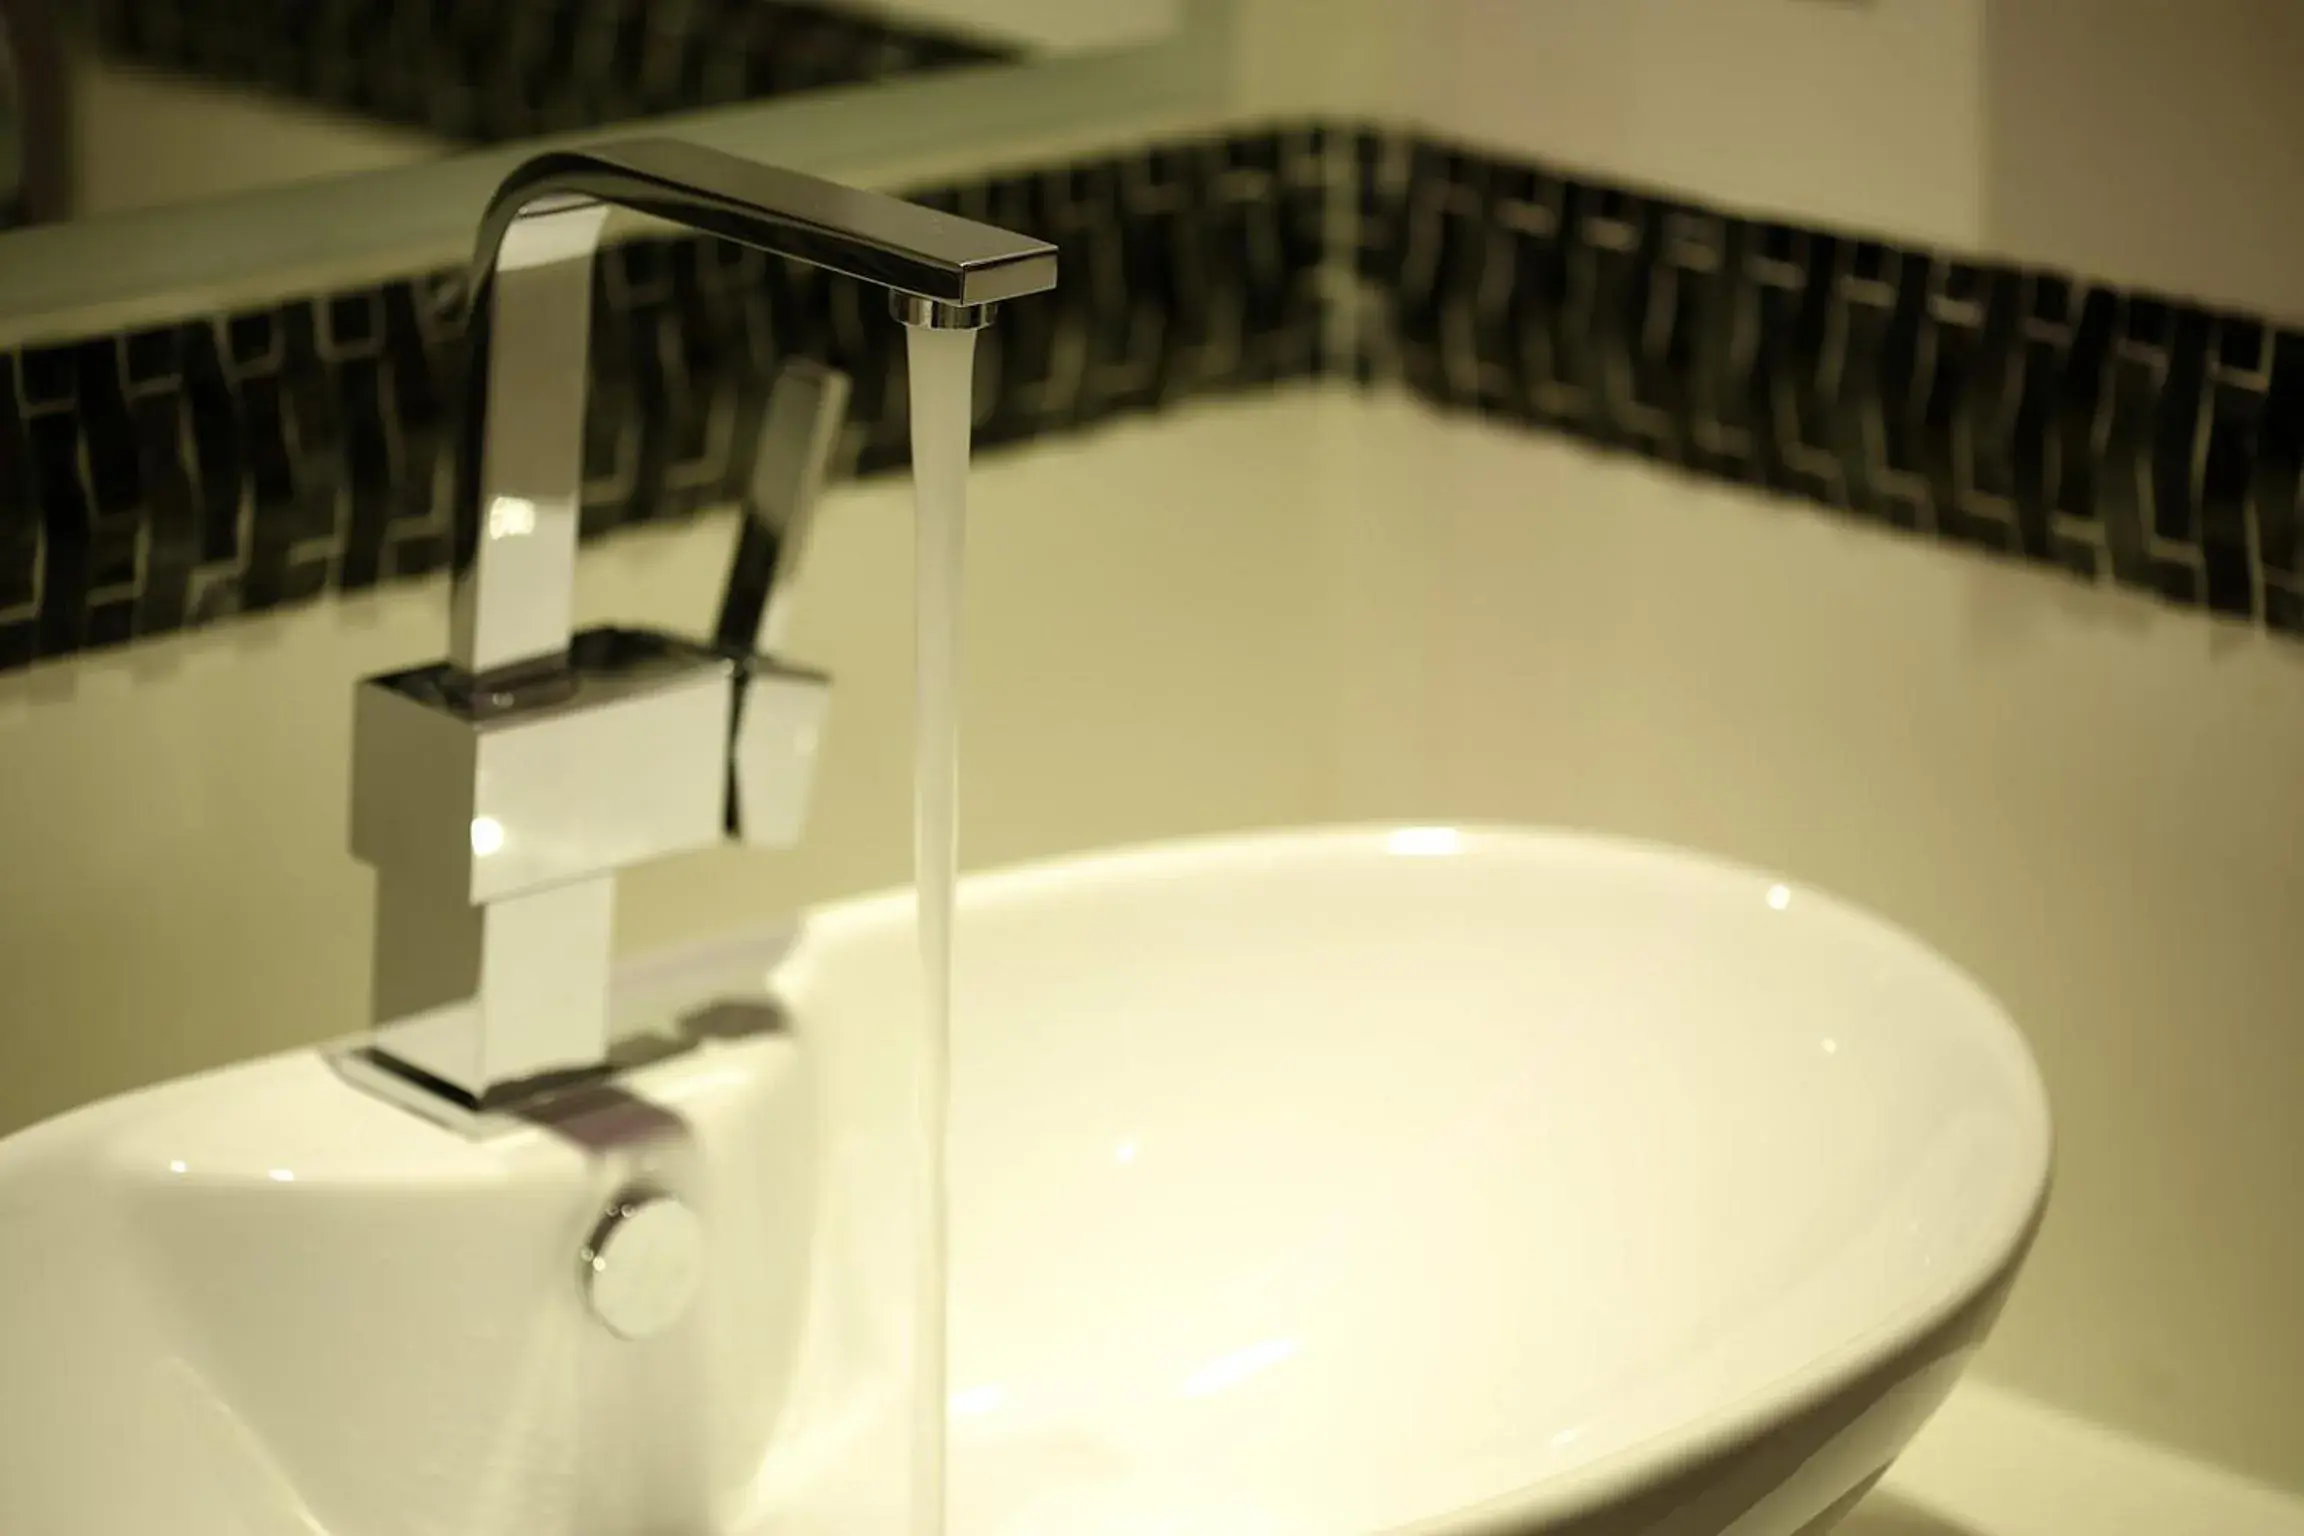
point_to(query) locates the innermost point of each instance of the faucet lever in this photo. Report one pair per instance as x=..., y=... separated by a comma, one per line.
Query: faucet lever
x=776, y=718
x=806, y=408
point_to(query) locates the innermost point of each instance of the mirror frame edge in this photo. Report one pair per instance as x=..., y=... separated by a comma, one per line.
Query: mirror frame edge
x=154, y=266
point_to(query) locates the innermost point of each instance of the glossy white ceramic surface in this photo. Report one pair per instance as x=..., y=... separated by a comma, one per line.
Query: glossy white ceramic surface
x=265, y=1303
x=1344, y=1181
x=1409, y=1179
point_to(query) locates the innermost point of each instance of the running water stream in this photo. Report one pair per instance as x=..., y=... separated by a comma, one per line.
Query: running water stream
x=942, y=362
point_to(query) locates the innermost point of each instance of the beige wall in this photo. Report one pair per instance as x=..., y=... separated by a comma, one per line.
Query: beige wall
x=1861, y=116
x=1865, y=114
x=2160, y=142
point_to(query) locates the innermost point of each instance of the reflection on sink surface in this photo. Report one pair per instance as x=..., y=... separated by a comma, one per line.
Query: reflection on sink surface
x=1414, y=1179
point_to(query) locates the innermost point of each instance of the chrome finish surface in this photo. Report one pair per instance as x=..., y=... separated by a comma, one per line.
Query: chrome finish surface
x=807, y=406
x=484, y=1001
x=867, y=235
x=936, y=315
x=512, y=601
x=772, y=762
x=613, y=762
x=497, y=793
x=497, y=813
x=496, y=818
x=642, y=1265
x=531, y=291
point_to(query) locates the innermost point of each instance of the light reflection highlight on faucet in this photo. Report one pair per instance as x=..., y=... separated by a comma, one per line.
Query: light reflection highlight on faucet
x=511, y=517
x=1228, y=1371
x=1425, y=842
x=1779, y=896
x=487, y=836
x=283, y=1176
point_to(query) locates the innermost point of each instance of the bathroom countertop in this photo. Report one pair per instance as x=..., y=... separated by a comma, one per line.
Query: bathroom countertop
x=1994, y=1463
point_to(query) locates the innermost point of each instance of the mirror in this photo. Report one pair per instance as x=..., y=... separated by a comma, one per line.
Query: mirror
x=114, y=106
x=132, y=195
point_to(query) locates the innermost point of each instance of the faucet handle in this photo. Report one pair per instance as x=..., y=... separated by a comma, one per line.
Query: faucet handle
x=801, y=427
x=776, y=723
x=776, y=717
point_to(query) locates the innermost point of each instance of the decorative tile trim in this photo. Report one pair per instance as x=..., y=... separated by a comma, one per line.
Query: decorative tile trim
x=2021, y=412
x=490, y=71
x=237, y=463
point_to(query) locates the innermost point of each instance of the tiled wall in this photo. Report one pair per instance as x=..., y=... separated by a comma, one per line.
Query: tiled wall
x=233, y=464
x=237, y=463
x=2024, y=413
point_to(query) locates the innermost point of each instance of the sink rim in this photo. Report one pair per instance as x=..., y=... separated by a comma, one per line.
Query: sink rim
x=1654, y=1458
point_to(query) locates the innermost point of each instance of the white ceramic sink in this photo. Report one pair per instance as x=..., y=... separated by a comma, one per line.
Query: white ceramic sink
x=1339, y=1182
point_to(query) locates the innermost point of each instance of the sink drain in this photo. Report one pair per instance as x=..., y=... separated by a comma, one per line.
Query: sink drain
x=643, y=1264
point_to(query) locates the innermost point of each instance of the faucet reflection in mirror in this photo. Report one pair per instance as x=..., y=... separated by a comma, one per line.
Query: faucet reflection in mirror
x=497, y=793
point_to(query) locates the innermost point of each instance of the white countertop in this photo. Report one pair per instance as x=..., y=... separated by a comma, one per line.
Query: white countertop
x=1993, y=1463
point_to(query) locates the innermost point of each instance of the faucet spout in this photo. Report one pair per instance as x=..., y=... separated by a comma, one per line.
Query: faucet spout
x=531, y=319
x=884, y=240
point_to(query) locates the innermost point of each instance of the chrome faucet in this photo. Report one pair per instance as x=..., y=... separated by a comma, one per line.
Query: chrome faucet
x=498, y=792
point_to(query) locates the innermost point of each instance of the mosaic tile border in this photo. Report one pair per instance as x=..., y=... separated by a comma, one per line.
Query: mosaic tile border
x=238, y=463
x=2109, y=433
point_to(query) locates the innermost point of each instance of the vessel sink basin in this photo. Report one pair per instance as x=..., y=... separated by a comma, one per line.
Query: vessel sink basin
x=1308, y=1184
